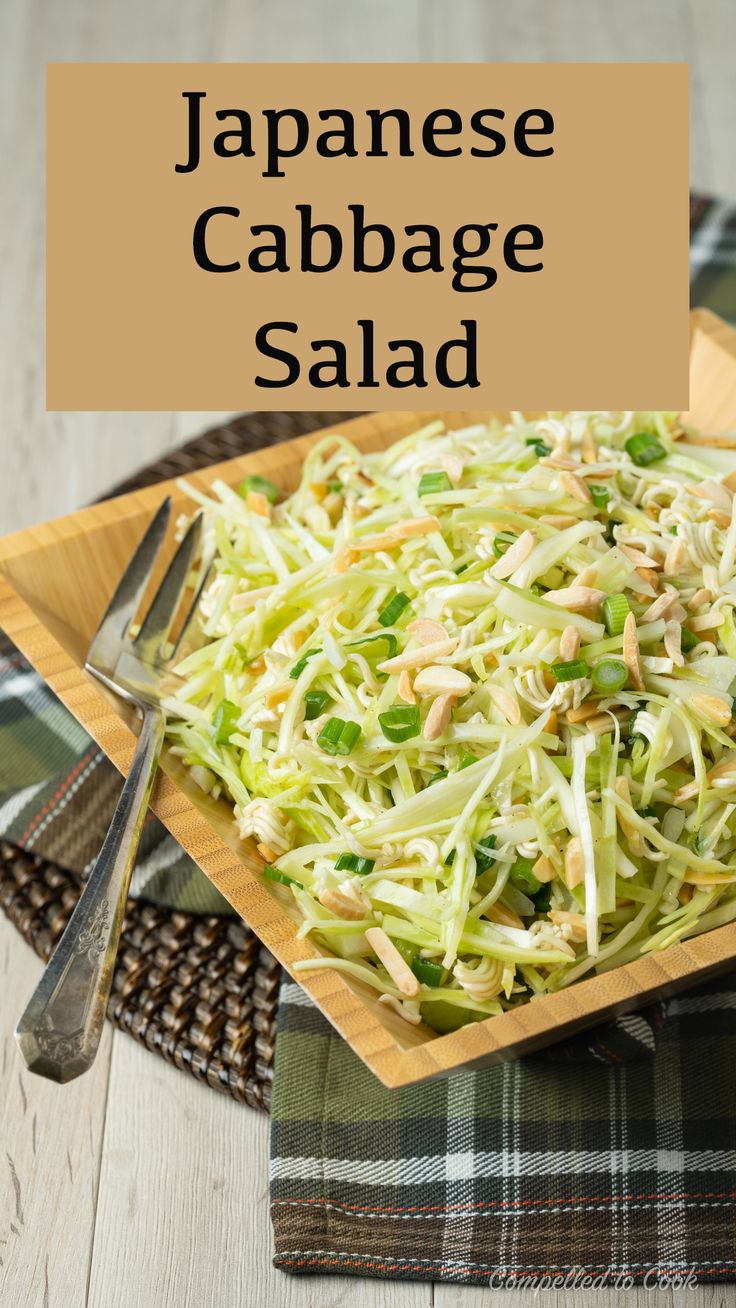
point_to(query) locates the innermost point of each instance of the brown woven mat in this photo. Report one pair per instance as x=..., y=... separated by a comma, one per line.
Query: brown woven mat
x=199, y=991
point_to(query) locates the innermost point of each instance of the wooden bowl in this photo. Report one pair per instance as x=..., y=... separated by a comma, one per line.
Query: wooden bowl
x=55, y=580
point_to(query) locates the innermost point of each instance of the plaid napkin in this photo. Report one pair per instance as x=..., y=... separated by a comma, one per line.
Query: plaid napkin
x=596, y=1157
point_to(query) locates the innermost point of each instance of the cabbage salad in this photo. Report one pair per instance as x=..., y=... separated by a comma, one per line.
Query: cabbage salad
x=472, y=697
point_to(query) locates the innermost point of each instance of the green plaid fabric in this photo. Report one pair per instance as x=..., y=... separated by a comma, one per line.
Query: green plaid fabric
x=533, y=1173
x=58, y=792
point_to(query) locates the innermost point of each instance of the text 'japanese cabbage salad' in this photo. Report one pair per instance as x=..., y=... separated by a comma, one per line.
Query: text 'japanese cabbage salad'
x=472, y=697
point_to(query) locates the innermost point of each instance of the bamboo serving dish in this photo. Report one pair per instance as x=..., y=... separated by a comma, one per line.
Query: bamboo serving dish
x=55, y=580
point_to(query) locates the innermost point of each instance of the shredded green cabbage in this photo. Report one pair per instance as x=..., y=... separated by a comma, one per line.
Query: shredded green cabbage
x=392, y=686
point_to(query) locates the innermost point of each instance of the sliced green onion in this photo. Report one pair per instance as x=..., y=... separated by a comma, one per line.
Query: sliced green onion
x=614, y=611
x=334, y=486
x=599, y=494
x=273, y=874
x=429, y=973
x=387, y=637
x=400, y=722
x=483, y=856
x=643, y=449
x=434, y=483
x=542, y=898
x=338, y=736
x=299, y=667
x=522, y=876
x=466, y=761
x=225, y=719
x=539, y=447
x=572, y=670
x=353, y=863
x=393, y=610
x=688, y=640
x=260, y=486
x=609, y=675
x=315, y=702
x=502, y=542
x=437, y=776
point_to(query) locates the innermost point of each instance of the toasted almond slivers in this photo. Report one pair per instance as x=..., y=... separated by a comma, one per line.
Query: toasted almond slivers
x=650, y=578
x=688, y=791
x=514, y=556
x=577, y=599
x=569, y=644
x=729, y=481
x=551, y=724
x=673, y=642
x=719, y=517
x=416, y=527
x=675, y=558
x=438, y=718
x=397, y=967
x=439, y=680
x=453, y=466
x=406, y=690
x=419, y=657
x=661, y=605
x=702, y=596
x=543, y=869
x=575, y=921
x=558, y=520
x=713, y=707
x=277, y=695
x=558, y=459
x=574, y=863
x=506, y=702
x=587, y=576
x=685, y=894
x=319, y=490
x=341, y=905
x=638, y=557
x=427, y=631
x=588, y=447
x=583, y=711
x=603, y=722
x=716, y=440
x=258, y=503
x=693, y=878
x=344, y=559
x=726, y=768
x=267, y=853
x=632, y=657
x=398, y=532
x=576, y=487
x=621, y=786
x=503, y=916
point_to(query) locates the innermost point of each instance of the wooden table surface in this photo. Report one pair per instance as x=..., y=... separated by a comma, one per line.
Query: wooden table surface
x=135, y=1186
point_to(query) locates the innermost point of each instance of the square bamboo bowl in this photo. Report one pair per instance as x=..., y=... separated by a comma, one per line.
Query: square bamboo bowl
x=55, y=580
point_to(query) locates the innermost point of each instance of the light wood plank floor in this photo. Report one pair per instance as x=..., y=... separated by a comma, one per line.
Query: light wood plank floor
x=136, y=1186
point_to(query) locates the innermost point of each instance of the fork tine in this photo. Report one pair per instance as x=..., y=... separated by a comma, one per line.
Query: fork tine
x=205, y=577
x=130, y=590
x=157, y=622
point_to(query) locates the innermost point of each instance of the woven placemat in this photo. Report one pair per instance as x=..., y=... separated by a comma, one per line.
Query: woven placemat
x=200, y=992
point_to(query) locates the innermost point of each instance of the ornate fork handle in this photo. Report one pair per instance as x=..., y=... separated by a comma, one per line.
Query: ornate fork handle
x=60, y=1029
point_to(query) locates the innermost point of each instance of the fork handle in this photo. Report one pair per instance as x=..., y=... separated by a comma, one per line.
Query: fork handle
x=60, y=1030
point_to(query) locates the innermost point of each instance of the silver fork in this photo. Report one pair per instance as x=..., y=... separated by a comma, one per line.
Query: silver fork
x=60, y=1030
